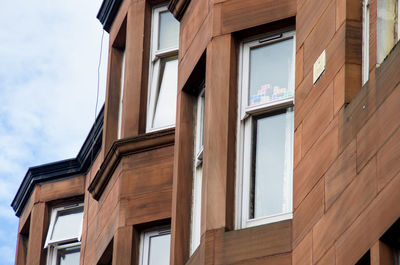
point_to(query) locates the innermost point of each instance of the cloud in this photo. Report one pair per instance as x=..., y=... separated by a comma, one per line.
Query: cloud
x=7, y=214
x=7, y=254
x=49, y=52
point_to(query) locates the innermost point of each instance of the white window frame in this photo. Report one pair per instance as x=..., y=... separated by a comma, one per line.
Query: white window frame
x=398, y=20
x=154, y=73
x=244, y=148
x=121, y=95
x=195, y=234
x=54, y=249
x=365, y=41
x=57, y=244
x=54, y=214
x=144, y=249
x=199, y=119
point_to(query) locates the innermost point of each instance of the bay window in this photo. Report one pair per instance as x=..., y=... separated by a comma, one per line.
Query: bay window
x=163, y=78
x=265, y=145
x=64, y=235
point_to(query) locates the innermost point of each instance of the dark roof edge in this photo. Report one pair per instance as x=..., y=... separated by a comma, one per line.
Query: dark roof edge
x=107, y=13
x=61, y=169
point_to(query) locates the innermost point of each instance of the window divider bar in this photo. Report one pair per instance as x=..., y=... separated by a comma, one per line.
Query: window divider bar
x=273, y=37
x=271, y=106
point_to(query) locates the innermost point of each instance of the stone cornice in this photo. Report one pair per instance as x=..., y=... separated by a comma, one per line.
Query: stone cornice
x=61, y=169
x=178, y=8
x=125, y=147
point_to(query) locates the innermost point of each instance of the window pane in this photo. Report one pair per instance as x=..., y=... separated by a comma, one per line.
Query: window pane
x=271, y=72
x=386, y=28
x=165, y=107
x=365, y=50
x=196, y=208
x=272, y=168
x=121, y=96
x=168, y=36
x=67, y=224
x=159, y=249
x=202, y=99
x=68, y=256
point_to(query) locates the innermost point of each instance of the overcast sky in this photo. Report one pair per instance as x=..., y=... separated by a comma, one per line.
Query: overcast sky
x=49, y=54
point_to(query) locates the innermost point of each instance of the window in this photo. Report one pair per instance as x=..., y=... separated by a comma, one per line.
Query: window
x=121, y=96
x=388, y=27
x=365, y=260
x=63, y=236
x=155, y=246
x=65, y=254
x=265, y=146
x=391, y=243
x=107, y=256
x=198, y=175
x=365, y=48
x=163, y=79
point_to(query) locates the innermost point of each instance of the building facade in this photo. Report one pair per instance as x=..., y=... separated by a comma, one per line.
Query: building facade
x=233, y=132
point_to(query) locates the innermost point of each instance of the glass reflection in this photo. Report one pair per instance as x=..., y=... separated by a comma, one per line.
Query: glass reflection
x=67, y=224
x=165, y=108
x=271, y=72
x=159, y=249
x=68, y=256
x=168, y=31
x=272, y=166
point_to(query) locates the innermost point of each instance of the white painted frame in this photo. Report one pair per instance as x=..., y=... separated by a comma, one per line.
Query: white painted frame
x=121, y=95
x=199, y=116
x=245, y=124
x=245, y=48
x=398, y=20
x=195, y=234
x=154, y=72
x=145, y=237
x=365, y=42
x=54, y=213
x=54, y=249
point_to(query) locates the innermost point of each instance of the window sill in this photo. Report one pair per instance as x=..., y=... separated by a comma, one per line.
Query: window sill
x=266, y=220
x=152, y=130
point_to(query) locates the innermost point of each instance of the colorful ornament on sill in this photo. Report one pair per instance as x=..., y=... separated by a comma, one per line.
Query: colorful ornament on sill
x=267, y=94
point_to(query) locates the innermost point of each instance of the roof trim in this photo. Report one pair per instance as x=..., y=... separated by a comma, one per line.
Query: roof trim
x=109, y=9
x=178, y=8
x=61, y=169
x=107, y=13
